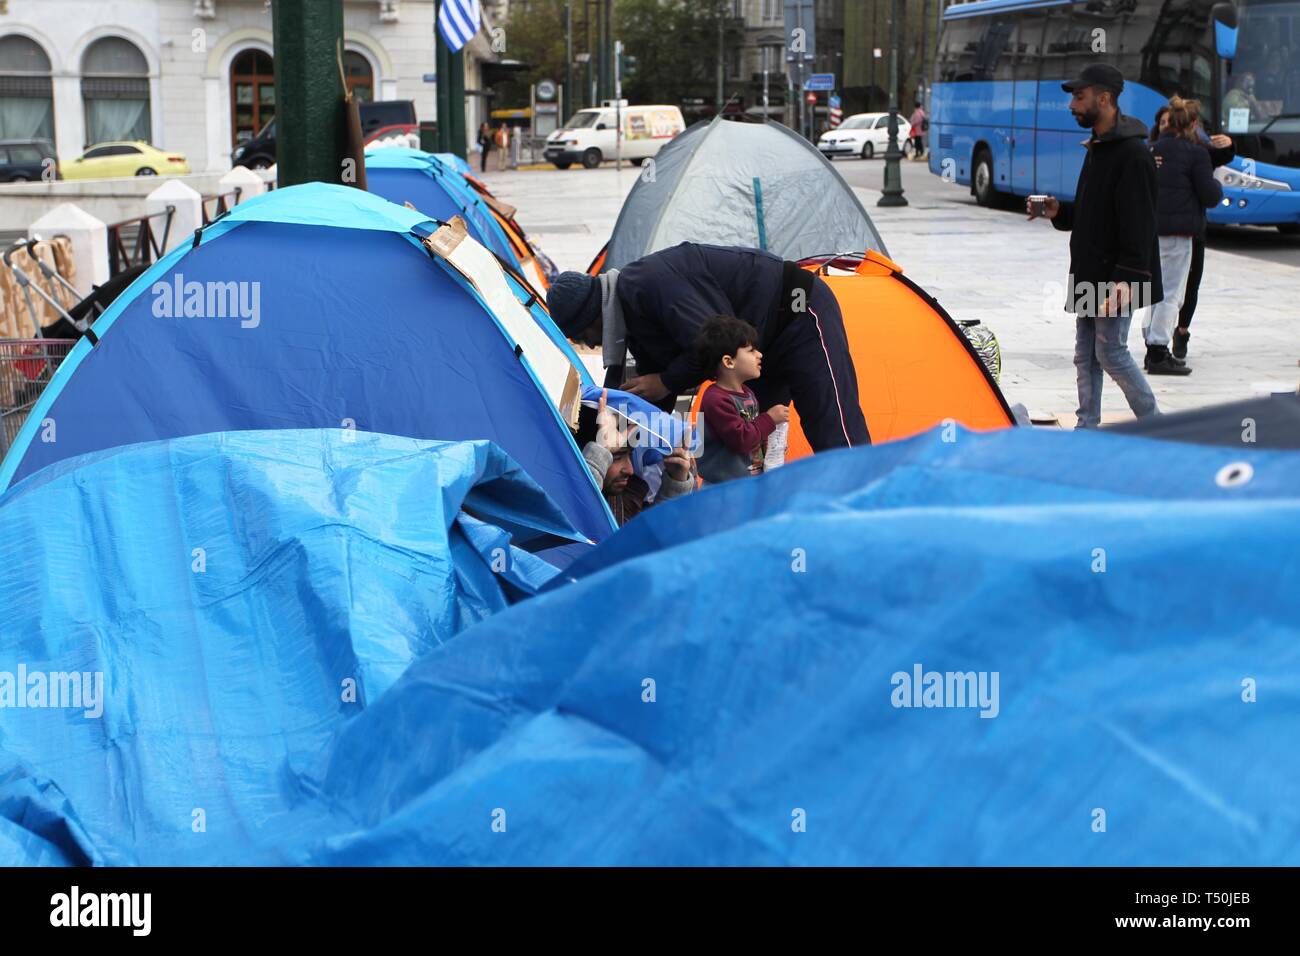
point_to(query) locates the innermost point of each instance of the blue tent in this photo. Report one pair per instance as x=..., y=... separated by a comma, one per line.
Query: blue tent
x=226, y=603
x=455, y=162
x=318, y=306
x=438, y=190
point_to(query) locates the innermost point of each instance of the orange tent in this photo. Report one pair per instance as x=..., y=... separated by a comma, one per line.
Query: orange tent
x=916, y=369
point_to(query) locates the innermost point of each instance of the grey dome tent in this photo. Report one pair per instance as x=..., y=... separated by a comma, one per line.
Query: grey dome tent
x=745, y=184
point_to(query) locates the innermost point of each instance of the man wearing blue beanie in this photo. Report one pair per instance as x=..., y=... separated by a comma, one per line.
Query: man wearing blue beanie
x=655, y=307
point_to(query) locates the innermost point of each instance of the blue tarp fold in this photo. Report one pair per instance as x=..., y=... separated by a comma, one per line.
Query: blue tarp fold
x=728, y=679
x=240, y=596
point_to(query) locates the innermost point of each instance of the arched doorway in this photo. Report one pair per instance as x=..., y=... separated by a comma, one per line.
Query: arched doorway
x=26, y=93
x=252, y=94
x=115, y=92
x=360, y=76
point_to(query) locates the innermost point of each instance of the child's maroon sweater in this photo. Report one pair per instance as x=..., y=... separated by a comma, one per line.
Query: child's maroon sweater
x=732, y=420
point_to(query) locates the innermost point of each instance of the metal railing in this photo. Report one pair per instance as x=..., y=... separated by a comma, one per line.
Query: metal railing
x=220, y=204
x=135, y=242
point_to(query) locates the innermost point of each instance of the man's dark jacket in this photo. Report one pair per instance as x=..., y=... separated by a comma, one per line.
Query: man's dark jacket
x=1187, y=186
x=667, y=296
x=1113, y=219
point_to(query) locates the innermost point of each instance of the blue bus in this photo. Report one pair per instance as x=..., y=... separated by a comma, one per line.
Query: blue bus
x=999, y=120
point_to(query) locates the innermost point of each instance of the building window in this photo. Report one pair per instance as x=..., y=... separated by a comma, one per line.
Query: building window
x=361, y=79
x=252, y=94
x=115, y=91
x=26, y=95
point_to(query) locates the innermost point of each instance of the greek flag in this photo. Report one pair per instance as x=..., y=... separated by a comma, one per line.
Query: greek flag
x=458, y=21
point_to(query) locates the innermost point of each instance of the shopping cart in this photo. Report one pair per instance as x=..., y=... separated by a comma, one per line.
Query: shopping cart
x=62, y=295
x=26, y=367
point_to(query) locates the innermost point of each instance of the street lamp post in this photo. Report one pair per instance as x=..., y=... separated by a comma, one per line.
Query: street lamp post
x=893, y=192
x=566, y=102
x=312, y=137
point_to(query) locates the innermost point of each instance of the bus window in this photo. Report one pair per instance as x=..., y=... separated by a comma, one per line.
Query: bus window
x=961, y=43
x=994, y=59
x=1070, y=41
x=1029, y=46
x=1265, y=77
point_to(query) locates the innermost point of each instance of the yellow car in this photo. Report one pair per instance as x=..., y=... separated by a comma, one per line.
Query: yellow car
x=114, y=160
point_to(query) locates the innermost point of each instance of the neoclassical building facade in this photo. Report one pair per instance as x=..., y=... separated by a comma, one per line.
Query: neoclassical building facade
x=195, y=76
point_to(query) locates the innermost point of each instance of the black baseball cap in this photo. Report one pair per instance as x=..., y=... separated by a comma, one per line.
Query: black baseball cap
x=1097, y=74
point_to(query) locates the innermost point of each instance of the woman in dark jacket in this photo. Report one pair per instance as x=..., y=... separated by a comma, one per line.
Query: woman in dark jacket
x=1187, y=188
x=1222, y=151
x=485, y=145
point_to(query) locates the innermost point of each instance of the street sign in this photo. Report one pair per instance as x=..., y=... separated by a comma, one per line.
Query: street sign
x=430, y=77
x=811, y=98
x=836, y=114
x=546, y=89
x=800, y=31
x=820, y=81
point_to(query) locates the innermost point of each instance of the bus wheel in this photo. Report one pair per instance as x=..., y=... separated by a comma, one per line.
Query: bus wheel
x=591, y=158
x=981, y=179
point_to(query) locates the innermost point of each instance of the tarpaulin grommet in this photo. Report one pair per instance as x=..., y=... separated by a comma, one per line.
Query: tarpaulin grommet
x=1235, y=475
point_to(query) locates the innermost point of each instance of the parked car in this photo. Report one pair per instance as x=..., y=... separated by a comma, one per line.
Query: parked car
x=865, y=135
x=25, y=160
x=115, y=160
x=259, y=152
x=590, y=136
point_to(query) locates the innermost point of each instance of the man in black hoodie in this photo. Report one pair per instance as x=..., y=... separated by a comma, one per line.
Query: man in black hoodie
x=654, y=308
x=1114, y=252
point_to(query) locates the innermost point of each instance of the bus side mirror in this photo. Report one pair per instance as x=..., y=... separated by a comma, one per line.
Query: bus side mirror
x=1224, y=18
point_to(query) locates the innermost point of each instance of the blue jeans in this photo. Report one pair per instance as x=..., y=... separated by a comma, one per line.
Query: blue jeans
x=1101, y=345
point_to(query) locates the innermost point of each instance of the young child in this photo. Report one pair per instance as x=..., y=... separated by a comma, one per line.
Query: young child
x=734, y=436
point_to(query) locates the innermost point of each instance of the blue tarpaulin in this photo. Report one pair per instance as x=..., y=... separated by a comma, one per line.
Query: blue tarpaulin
x=240, y=597
x=1137, y=600
x=743, y=676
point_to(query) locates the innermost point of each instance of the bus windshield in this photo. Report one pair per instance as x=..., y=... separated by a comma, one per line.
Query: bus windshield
x=1265, y=78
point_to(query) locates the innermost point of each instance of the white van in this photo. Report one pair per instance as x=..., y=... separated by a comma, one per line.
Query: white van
x=590, y=135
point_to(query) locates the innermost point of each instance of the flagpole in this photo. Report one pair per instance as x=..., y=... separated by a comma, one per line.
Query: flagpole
x=442, y=70
x=450, y=70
